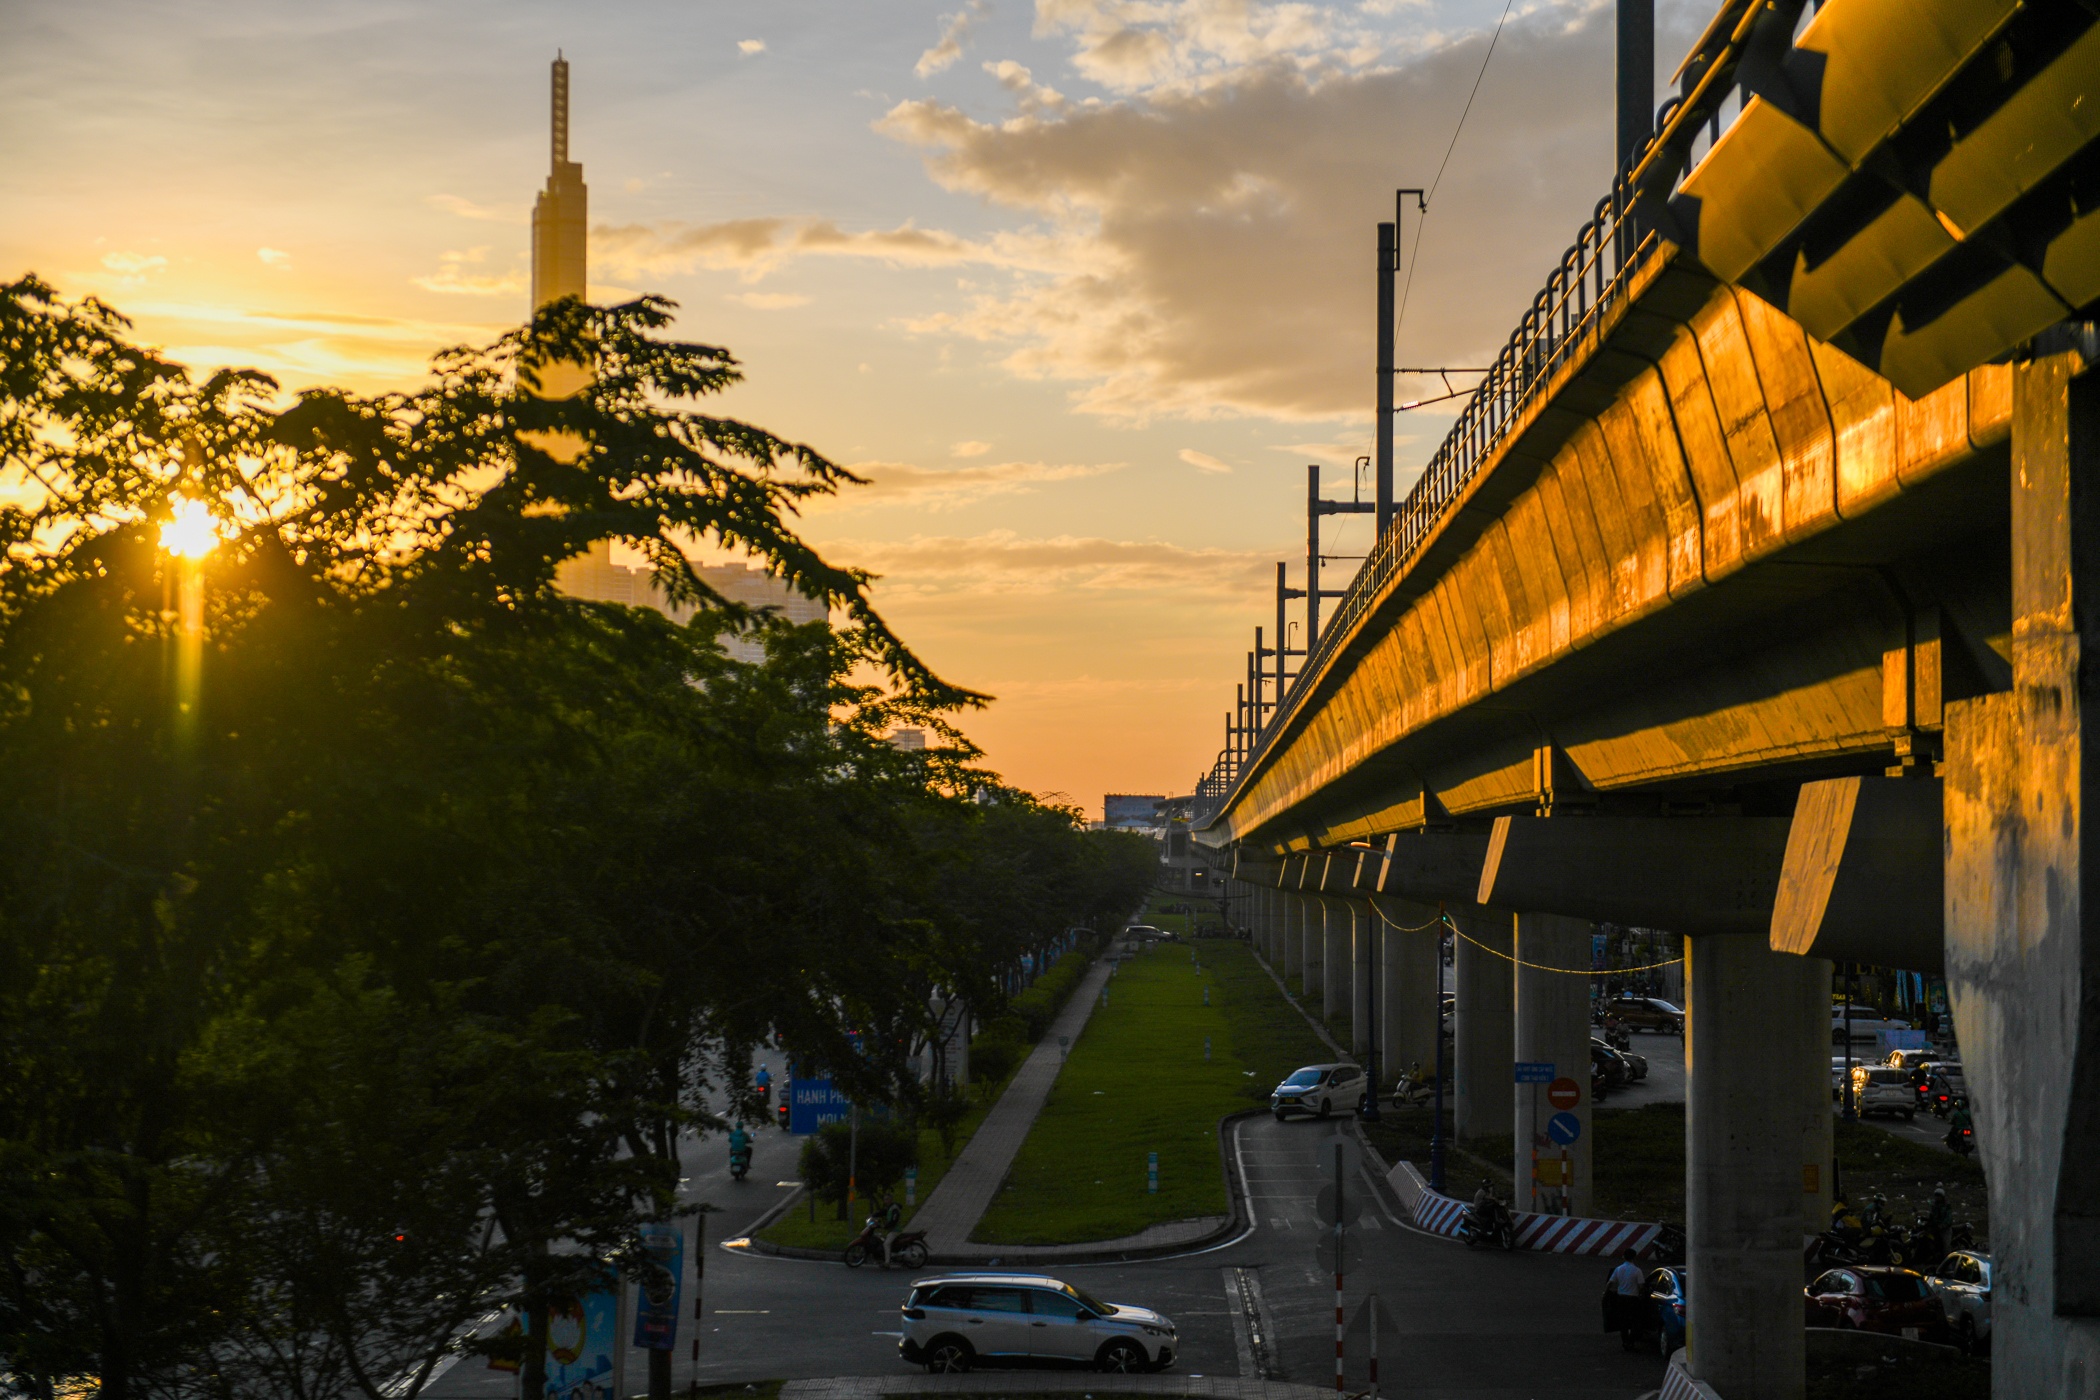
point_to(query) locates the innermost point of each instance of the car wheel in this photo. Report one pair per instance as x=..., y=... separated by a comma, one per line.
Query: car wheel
x=1279, y=1114
x=1965, y=1335
x=1326, y=1108
x=948, y=1354
x=1123, y=1357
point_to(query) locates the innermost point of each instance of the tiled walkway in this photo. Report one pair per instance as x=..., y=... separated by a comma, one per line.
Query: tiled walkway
x=1038, y=1382
x=955, y=1206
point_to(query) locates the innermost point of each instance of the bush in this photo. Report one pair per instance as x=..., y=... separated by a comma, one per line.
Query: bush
x=1037, y=1007
x=992, y=1060
x=885, y=1150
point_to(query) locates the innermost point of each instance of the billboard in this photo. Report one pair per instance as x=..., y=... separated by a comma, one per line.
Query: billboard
x=1123, y=809
x=581, y=1338
x=656, y=1301
x=814, y=1102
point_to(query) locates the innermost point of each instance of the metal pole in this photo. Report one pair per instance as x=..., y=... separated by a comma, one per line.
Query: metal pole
x=699, y=1280
x=1436, y=1129
x=1340, y=1216
x=1283, y=643
x=1388, y=258
x=1636, y=77
x=1312, y=557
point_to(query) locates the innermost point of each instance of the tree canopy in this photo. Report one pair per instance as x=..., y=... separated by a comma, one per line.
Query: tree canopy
x=380, y=978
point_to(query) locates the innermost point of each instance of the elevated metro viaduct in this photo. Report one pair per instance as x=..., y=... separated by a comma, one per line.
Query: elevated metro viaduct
x=1761, y=619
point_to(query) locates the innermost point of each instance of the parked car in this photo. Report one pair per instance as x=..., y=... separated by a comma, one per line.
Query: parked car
x=1962, y=1283
x=1868, y=1298
x=1879, y=1089
x=1669, y=1289
x=1146, y=933
x=955, y=1321
x=1318, y=1090
x=1646, y=1014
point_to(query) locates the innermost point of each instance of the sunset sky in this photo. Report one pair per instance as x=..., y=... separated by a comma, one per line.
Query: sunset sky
x=1081, y=284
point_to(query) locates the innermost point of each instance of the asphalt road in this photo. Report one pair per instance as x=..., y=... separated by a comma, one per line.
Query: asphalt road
x=1480, y=1325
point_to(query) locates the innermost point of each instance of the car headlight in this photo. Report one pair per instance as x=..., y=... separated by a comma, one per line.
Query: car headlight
x=1158, y=1331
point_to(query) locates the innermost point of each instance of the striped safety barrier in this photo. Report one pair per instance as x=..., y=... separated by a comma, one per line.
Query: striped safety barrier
x=1548, y=1234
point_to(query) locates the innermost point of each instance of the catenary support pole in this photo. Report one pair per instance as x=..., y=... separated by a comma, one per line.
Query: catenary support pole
x=1388, y=259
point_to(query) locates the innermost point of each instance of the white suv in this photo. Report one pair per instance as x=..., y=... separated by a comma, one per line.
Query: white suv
x=1318, y=1090
x=956, y=1321
x=1878, y=1089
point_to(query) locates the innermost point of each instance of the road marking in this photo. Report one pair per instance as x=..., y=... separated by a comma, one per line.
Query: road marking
x=1250, y=1327
x=740, y=1312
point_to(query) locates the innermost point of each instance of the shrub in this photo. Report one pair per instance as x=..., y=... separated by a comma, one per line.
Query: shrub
x=885, y=1150
x=1037, y=1007
x=992, y=1060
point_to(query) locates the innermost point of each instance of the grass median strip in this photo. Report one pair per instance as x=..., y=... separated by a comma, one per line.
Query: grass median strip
x=1136, y=1083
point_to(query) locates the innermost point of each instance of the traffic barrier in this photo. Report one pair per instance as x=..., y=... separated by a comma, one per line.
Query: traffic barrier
x=1548, y=1234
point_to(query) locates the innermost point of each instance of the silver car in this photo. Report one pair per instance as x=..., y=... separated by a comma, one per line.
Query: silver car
x=1318, y=1090
x=1878, y=1089
x=955, y=1321
x=1962, y=1283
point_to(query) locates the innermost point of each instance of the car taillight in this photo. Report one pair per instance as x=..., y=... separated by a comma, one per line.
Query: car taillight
x=915, y=1314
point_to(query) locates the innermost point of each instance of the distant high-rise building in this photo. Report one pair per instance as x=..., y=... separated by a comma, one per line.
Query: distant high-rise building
x=595, y=576
x=1124, y=811
x=560, y=217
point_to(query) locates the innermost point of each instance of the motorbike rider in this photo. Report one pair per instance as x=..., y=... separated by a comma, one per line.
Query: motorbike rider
x=739, y=1144
x=764, y=1080
x=889, y=1216
x=1961, y=1127
x=1486, y=1209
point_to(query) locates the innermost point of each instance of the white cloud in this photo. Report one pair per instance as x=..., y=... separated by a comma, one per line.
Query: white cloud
x=274, y=257
x=747, y=47
x=755, y=247
x=770, y=301
x=970, y=449
x=1201, y=246
x=1001, y=561
x=949, y=47
x=941, y=488
x=454, y=278
x=468, y=209
x=133, y=269
x=1202, y=461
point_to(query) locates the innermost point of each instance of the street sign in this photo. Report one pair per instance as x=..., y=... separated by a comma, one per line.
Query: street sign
x=1564, y=1093
x=1564, y=1128
x=1534, y=1071
x=814, y=1102
x=1324, y=1152
x=1352, y=1205
x=1352, y=1253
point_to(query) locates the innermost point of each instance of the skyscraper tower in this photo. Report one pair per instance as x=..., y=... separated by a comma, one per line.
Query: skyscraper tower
x=560, y=216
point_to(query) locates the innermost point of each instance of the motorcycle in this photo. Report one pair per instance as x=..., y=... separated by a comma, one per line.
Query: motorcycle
x=782, y=1109
x=1496, y=1229
x=740, y=1162
x=1416, y=1086
x=909, y=1250
x=1961, y=1141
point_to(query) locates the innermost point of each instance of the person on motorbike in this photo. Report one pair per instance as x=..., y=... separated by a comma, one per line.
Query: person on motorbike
x=889, y=1217
x=739, y=1143
x=1486, y=1209
x=764, y=1080
x=1961, y=1128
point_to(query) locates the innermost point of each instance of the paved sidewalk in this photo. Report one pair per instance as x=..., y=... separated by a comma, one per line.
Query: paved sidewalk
x=1038, y=1382
x=956, y=1205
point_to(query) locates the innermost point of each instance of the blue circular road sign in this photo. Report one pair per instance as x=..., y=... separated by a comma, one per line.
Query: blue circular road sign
x=1564, y=1128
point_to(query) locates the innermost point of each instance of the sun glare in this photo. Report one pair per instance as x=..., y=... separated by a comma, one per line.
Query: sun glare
x=192, y=533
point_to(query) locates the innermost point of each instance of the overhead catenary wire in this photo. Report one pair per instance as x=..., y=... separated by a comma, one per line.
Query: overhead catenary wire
x=1446, y=920
x=1415, y=248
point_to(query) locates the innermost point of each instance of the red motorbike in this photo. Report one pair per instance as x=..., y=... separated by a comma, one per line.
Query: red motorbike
x=909, y=1250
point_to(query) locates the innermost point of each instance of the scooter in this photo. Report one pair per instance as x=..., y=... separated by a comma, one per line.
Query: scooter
x=1496, y=1229
x=1961, y=1141
x=740, y=1161
x=909, y=1250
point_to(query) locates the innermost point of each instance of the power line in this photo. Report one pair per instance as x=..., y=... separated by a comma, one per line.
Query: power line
x=1416, y=247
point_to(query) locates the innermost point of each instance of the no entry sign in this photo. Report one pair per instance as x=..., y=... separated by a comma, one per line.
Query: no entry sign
x=1564, y=1093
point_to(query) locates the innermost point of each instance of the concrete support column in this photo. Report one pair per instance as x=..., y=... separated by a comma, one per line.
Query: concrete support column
x=2023, y=958
x=1757, y=1158
x=1335, y=981
x=1407, y=1010
x=1552, y=1014
x=1314, y=971
x=1264, y=918
x=1294, y=911
x=1484, y=1029
x=1363, y=966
